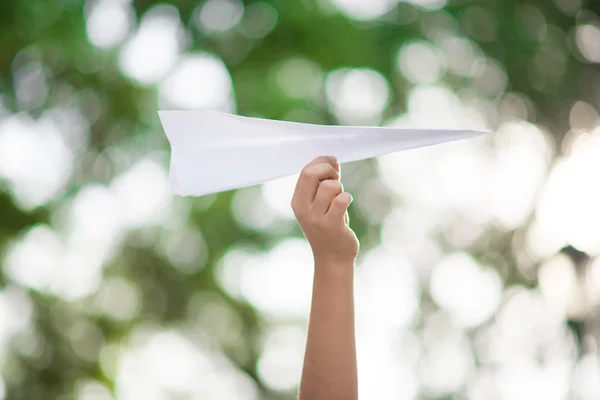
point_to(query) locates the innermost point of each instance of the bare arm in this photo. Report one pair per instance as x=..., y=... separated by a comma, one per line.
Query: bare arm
x=320, y=206
x=330, y=360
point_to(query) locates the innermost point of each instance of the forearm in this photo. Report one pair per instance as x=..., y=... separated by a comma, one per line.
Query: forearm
x=330, y=370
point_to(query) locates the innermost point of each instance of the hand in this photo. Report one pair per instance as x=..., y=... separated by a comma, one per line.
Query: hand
x=320, y=206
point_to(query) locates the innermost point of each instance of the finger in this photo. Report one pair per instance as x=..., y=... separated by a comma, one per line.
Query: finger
x=322, y=160
x=347, y=218
x=327, y=191
x=308, y=182
x=339, y=206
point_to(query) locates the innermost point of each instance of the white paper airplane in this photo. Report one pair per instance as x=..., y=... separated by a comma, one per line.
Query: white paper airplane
x=213, y=151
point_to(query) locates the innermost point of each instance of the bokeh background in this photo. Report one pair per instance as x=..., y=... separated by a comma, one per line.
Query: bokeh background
x=479, y=272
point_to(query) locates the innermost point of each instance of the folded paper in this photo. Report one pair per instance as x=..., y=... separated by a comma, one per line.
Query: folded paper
x=213, y=151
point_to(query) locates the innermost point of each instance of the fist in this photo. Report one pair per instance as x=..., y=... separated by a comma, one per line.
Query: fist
x=321, y=208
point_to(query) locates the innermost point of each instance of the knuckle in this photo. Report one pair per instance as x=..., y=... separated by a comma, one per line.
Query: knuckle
x=330, y=169
x=332, y=185
x=309, y=173
x=318, y=171
x=327, y=184
x=326, y=159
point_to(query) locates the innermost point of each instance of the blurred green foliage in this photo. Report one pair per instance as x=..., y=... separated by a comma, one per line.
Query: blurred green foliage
x=545, y=67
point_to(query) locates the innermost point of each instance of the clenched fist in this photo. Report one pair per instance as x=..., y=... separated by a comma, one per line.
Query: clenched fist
x=320, y=206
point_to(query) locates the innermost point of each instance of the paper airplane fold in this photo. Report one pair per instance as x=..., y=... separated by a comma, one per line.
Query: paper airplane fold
x=213, y=151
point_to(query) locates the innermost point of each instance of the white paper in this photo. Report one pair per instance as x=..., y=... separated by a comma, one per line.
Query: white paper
x=213, y=151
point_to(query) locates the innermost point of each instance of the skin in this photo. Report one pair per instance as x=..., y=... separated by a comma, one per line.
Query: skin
x=320, y=206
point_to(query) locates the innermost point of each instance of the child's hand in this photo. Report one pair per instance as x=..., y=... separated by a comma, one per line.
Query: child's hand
x=320, y=206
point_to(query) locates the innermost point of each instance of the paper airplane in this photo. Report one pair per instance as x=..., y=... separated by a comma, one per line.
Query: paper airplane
x=213, y=151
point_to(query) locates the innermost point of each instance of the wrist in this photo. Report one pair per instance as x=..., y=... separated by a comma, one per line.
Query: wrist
x=333, y=264
x=333, y=276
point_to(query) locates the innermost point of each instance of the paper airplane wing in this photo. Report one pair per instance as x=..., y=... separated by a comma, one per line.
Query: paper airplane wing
x=213, y=151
